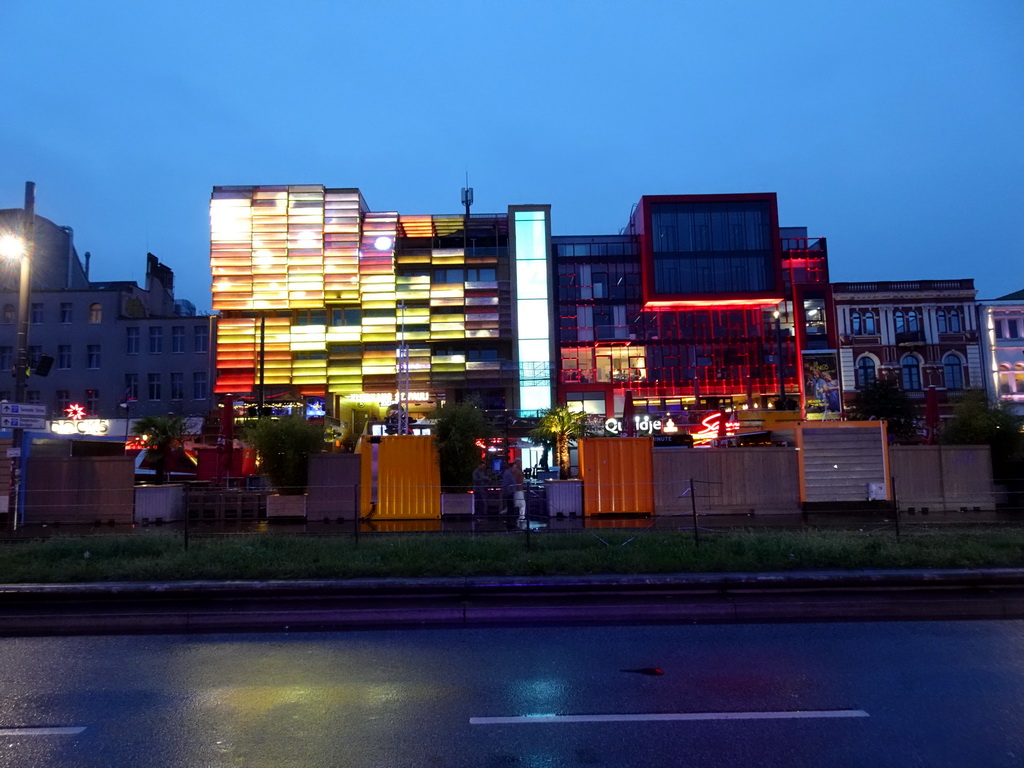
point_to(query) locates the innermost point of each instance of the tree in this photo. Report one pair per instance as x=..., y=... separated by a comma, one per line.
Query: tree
x=561, y=426
x=283, y=447
x=883, y=400
x=457, y=427
x=160, y=435
x=977, y=421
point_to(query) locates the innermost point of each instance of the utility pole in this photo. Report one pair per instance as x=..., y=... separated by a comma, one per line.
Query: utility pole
x=21, y=352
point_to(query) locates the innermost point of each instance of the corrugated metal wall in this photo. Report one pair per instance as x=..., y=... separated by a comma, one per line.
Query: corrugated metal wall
x=838, y=460
x=726, y=480
x=408, y=478
x=617, y=475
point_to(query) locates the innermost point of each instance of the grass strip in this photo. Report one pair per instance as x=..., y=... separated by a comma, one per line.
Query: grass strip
x=162, y=557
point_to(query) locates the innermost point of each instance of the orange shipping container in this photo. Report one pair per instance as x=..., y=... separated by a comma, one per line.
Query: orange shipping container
x=408, y=478
x=617, y=475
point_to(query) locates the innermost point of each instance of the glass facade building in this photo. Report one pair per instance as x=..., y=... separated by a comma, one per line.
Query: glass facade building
x=320, y=297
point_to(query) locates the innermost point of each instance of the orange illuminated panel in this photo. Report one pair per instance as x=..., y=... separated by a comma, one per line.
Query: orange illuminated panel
x=416, y=226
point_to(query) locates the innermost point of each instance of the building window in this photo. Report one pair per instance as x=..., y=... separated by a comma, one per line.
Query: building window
x=342, y=317
x=941, y=322
x=913, y=321
x=36, y=313
x=131, y=386
x=177, y=386
x=856, y=326
x=34, y=353
x=33, y=396
x=131, y=339
x=178, y=339
x=870, y=325
x=64, y=357
x=200, y=386
x=201, y=342
x=910, y=369
x=63, y=400
x=95, y=313
x=92, y=401
x=998, y=328
x=92, y=356
x=953, y=369
x=65, y=312
x=153, y=380
x=866, y=372
x=1012, y=329
x=156, y=340
x=6, y=358
x=8, y=314
x=954, y=321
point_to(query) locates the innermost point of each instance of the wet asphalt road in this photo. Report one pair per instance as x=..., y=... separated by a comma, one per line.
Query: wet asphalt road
x=839, y=694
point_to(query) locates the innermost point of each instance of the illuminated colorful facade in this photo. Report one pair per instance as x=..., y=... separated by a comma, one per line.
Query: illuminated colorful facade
x=689, y=310
x=320, y=297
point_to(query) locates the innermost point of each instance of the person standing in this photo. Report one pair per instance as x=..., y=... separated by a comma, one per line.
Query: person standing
x=511, y=481
x=481, y=486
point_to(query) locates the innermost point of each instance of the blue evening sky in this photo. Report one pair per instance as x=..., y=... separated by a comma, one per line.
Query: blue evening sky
x=893, y=127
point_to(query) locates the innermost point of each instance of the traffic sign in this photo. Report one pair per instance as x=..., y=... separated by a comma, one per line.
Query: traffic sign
x=22, y=409
x=22, y=422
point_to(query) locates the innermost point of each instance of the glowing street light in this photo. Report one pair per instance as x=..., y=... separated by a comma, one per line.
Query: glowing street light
x=12, y=246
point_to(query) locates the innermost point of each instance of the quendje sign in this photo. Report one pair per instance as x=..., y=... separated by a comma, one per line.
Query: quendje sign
x=644, y=425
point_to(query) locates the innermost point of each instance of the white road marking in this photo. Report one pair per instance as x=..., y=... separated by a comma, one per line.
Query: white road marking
x=790, y=715
x=43, y=731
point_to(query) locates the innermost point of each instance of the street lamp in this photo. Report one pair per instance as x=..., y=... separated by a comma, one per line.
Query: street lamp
x=778, y=358
x=14, y=247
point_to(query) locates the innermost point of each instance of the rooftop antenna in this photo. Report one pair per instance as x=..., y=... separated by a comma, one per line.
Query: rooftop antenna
x=467, y=200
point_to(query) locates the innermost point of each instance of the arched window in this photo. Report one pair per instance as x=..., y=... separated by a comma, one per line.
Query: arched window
x=954, y=321
x=910, y=370
x=855, y=325
x=913, y=321
x=96, y=313
x=940, y=321
x=1005, y=379
x=953, y=369
x=870, y=328
x=899, y=321
x=866, y=372
x=8, y=314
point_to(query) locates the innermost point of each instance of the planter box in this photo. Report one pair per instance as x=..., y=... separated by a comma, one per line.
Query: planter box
x=456, y=504
x=565, y=498
x=286, y=507
x=159, y=503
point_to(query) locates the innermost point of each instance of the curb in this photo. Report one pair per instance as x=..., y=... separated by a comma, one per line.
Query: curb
x=199, y=606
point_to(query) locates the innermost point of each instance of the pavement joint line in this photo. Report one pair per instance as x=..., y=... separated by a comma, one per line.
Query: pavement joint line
x=667, y=716
x=43, y=731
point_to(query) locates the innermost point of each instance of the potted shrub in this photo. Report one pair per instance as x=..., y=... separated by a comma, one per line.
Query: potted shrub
x=560, y=427
x=282, y=450
x=457, y=427
x=162, y=437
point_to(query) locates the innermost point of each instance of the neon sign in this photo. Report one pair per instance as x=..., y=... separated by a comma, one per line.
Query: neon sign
x=711, y=424
x=80, y=426
x=645, y=425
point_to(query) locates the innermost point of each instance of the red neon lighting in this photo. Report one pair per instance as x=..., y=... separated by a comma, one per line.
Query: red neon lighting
x=75, y=412
x=725, y=303
x=710, y=424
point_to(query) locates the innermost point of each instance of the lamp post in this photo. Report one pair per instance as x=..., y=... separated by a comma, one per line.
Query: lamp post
x=778, y=358
x=21, y=248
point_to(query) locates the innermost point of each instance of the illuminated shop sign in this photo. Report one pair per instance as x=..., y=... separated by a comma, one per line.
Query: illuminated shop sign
x=80, y=426
x=385, y=398
x=644, y=425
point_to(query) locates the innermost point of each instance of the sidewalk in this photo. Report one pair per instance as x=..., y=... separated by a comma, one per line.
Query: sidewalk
x=172, y=607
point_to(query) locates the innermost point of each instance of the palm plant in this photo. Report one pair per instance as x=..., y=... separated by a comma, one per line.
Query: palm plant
x=560, y=426
x=160, y=435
